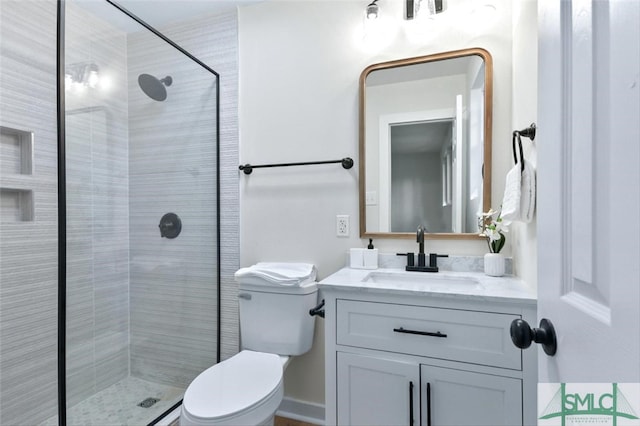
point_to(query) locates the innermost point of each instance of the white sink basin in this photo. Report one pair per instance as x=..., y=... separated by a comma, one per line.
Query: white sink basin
x=424, y=281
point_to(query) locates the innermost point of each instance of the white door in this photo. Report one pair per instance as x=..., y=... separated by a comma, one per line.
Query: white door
x=589, y=188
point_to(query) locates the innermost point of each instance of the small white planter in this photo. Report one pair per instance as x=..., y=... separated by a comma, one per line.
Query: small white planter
x=494, y=264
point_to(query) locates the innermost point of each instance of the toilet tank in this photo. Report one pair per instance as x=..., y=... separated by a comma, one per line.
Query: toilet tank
x=275, y=318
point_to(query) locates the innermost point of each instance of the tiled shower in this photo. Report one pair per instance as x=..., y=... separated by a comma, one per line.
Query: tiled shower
x=142, y=311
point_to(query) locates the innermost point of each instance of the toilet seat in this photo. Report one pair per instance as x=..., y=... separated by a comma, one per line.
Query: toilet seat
x=244, y=389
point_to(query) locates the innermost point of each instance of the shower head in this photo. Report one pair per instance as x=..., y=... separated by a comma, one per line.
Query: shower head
x=154, y=88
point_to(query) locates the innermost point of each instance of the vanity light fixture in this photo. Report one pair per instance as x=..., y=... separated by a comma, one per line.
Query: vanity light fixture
x=424, y=7
x=372, y=10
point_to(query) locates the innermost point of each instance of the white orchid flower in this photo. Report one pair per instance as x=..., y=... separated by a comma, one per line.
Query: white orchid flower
x=493, y=229
x=500, y=226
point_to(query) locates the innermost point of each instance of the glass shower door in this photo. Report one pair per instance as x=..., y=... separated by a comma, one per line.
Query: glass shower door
x=142, y=226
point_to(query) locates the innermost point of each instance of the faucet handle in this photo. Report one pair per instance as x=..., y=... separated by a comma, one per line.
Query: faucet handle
x=410, y=258
x=433, y=259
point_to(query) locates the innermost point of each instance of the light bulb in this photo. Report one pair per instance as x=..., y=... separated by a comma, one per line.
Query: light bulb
x=93, y=79
x=372, y=10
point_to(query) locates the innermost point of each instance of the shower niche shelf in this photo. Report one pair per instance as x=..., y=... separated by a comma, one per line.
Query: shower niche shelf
x=16, y=205
x=16, y=151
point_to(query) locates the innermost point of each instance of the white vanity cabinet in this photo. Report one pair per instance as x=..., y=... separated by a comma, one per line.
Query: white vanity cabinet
x=374, y=390
x=398, y=357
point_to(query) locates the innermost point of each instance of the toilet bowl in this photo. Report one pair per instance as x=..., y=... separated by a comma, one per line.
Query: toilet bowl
x=247, y=388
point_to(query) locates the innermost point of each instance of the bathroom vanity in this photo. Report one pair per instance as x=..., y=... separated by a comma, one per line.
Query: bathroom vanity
x=427, y=349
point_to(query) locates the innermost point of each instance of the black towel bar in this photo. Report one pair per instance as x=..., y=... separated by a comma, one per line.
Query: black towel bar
x=347, y=163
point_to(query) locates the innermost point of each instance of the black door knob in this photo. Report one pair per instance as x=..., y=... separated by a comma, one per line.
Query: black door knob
x=522, y=335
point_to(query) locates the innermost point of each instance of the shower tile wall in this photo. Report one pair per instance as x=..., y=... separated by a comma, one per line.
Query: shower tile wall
x=97, y=209
x=214, y=40
x=28, y=249
x=98, y=275
x=172, y=169
x=173, y=337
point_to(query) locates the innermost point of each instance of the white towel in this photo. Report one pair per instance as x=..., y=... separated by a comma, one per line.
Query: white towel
x=519, y=201
x=512, y=195
x=280, y=273
x=527, y=192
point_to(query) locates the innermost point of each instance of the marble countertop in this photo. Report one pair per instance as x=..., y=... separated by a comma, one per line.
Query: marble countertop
x=449, y=284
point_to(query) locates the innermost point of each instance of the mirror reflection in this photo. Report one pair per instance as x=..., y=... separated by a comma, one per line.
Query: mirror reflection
x=425, y=145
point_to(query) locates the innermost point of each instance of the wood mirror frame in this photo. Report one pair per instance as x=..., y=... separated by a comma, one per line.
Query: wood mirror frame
x=486, y=165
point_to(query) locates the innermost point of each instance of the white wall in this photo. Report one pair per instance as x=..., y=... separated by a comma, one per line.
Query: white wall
x=525, y=102
x=299, y=68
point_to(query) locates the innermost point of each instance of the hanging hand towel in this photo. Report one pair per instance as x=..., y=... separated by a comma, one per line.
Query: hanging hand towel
x=527, y=192
x=511, y=199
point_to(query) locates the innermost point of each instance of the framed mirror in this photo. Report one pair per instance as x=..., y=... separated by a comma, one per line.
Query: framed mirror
x=425, y=145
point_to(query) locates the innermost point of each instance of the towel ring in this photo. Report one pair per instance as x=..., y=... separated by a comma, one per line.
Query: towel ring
x=516, y=135
x=529, y=132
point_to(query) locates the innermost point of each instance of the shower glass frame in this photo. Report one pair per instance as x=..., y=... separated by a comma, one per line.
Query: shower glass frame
x=62, y=199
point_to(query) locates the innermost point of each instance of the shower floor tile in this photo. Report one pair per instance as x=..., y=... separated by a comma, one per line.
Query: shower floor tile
x=118, y=404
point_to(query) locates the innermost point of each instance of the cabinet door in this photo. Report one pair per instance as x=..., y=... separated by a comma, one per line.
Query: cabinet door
x=376, y=391
x=466, y=398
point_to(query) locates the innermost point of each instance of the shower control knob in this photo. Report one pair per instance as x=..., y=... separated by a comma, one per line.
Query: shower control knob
x=522, y=335
x=170, y=226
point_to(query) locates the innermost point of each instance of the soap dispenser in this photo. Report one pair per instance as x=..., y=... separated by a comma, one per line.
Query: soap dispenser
x=370, y=256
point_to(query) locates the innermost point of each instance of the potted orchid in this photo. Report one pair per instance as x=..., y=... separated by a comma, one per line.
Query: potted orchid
x=493, y=229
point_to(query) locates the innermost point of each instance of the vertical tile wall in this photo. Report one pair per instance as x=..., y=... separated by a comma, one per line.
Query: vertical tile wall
x=28, y=249
x=100, y=219
x=172, y=169
x=214, y=40
x=97, y=208
x=186, y=343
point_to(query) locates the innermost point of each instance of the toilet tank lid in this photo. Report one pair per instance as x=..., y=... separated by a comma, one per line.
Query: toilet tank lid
x=279, y=273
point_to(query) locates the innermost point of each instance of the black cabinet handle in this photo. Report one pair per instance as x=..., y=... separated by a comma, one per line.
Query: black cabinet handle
x=410, y=403
x=428, y=404
x=421, y=333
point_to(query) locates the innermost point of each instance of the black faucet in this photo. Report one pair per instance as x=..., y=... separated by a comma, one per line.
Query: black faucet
x=420, y=241
x=421, y=266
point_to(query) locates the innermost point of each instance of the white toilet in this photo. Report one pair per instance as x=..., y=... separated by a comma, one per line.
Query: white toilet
x=246, y=389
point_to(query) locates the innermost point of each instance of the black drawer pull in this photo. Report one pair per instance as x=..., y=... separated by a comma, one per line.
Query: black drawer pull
x=421, y=333
x=410, y=403
x=428, y=404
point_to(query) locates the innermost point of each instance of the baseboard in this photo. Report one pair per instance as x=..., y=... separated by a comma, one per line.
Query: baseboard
x=303, y=411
